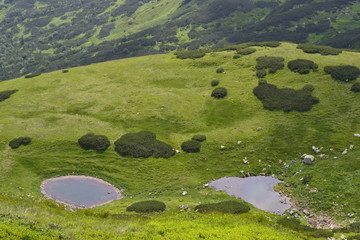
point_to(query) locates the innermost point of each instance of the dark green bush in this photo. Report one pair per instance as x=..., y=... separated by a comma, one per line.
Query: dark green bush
x=286, y=99
x=323, y=50
x=246, y=51
x=220, y=70
x=266, y=44
x=219, y=92
x=271, y=63
x=91, y=141
x=214, y=83
x=356, y=237
x=65, y=71
x=352, y=228
x=199, y=138
x=294, y=224
x=142, y=144
x=343, y=73
x=302, y=66
x=260, y=73
x=191, y=146
x=147, y=206
x=31, y=75
x=233, y=207
x=6, y=94
x=309, y=88
x=306, y=179
x=17, y=142
x=355, y=87
x=236, y=56
x=190, y=54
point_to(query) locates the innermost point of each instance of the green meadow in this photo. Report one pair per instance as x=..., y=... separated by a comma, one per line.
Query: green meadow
x=171, y=97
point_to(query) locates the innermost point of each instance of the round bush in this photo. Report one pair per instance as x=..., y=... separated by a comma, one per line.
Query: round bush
x=220, y=70
x=199, y=138
x=260, y=73
x=214, y=83
x=219, y=92
x=302, y=66
x=17, y=142
x=147, y=206
x=142, y=144
x=6, y=94
x=308, y=88
x=355, y=87
x=91, y=141
x=246, y=51
x=191, y=146
x=233, y=207
x=343, y=73
x=236, y=56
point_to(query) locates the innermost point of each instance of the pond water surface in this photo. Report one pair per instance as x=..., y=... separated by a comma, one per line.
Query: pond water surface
x=80, y=191
x=259, y=191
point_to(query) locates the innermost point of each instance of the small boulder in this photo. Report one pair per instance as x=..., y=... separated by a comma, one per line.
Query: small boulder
x=308, y=159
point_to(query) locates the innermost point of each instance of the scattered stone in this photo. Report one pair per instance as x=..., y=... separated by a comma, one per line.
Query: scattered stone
x=316, y=149
x=322, y=156
x=331, y=149
x=351, y=147
x=313, y=190
x=335, y=157
x=184, y=193
x=259, y=129
x=306, y=212
x=222, y=147
x=357, y=134
x=245, y=160
x=184, y=207
x=206, y=185
x=238, y=142
x=344, y=152
x=308, y=159
x=351, y=215
x=177, y=151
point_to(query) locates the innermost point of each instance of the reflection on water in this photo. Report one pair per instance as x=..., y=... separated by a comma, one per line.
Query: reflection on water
x=259, y=191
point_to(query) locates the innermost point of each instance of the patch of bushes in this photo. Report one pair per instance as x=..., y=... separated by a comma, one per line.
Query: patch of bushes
x=17, y=142
x=236, y=56
x=142, y=144
x=271, y=63
x=219, y=92
x=191, y=146
x=260, y=73
x=190, y=54
x=352, y=228
x=266, y=44
x=306, y=179
x=323, y=50
x=233, y=207
x=343, y=73
x=220, y=70
x=65, y=71
x=302, y=66
x=214, y=83
x=147, y=206
x=6, y=94
x=91, y=141
x=356, y=237
x=31, y=75
x=294, y=224
x=286, y=99
x=199, y=138
x=355, y=87
x=246, y=51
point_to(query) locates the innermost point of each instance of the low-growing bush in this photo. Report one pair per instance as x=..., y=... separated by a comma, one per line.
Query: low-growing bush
x=190, y=54
x=219, y=92
x=191, y=146
x=142, y=144
x=65, y=71
x=91, y=141
x=266, y=44
x=199, y=138
x=355, y=87
x=343, y=73
x=352, y=228
x=260, y=73
x=246, y=51
x=308, y=88
x=220, y=70
x=286, y=99
x=236, y=56
x=147, y=206
x=233, y=207
x=17, y=142
x=6, y=94
x=302, y=66
x=269, y=62
x=306, y=179
x=31, y=75
x=294, y=224
x=355, y=237
x=323, y=50
x=214, y=83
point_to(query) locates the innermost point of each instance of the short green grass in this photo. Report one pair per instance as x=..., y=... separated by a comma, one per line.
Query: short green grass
x=171, y=97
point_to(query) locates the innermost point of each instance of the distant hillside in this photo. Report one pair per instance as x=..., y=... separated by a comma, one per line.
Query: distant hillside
x=44, y=35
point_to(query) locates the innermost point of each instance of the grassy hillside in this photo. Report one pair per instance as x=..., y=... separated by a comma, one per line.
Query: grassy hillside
x=171, y=97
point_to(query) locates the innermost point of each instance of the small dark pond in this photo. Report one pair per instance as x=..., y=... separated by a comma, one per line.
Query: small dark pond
x=80, y=191
x=259, y=191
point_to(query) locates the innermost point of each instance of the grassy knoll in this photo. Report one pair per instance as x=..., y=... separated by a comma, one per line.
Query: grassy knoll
x=171, y=97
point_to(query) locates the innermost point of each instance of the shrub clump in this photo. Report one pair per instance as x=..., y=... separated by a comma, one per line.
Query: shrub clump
x=142, y=144
x=31, y=75
x=199, y=138
x=219, y=92
x=233, y=207
x=260, y=73
x=286, y=99
x=220, y=70
x=17, y=142
x=355, y=87
x=302, y=66
x=191, y=146
x=323, y=50
x=6, y=94
x=190, y=54
x=343, y=73
x=214, y=83
x=271, y=63
x=147, y=206
x=91, y=141
x=246, y=51
x=272, y=44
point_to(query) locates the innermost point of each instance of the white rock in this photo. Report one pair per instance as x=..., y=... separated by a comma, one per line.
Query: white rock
x=357, y=134
x=222, y=147
x=184, y=193
x=351, y=147
x=344, y=152
x=238, y=142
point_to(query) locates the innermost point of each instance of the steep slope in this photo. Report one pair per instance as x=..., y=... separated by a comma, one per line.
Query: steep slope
x=44, y=35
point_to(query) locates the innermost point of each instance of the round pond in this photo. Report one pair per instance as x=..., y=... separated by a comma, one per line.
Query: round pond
x=259, y=191
x=80, y=191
